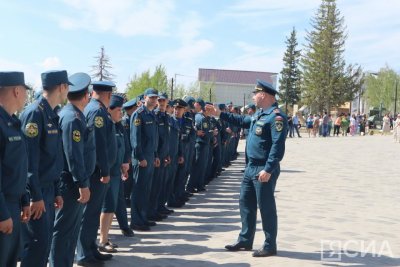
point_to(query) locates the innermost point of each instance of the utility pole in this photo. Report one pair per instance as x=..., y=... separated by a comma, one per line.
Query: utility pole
x=210, y=94
x=395, y=99
x=172, y=88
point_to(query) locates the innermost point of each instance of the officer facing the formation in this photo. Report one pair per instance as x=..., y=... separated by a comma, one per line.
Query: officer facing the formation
x=80, y=158
x=41, y=127
x=265, y=149
x=13, y=167
x=97, y=118
x=144, y=149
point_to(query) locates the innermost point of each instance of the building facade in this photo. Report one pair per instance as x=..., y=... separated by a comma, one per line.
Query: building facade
x=234, y=86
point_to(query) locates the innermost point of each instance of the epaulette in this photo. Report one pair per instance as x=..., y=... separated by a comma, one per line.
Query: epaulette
x=77, y=116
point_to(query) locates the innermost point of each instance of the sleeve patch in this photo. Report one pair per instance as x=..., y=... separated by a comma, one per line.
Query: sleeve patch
x=76, y=136
x=31, y=130
x=137, y=122
x=98, y=122
x=278, y=126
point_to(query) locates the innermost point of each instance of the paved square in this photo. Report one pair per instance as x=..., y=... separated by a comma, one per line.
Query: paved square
x=337, y=198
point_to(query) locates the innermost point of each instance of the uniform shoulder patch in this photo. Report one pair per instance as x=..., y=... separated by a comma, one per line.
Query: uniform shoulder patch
x=76, y=136
x=278, y=125
x=98, y=121
x=31, y=130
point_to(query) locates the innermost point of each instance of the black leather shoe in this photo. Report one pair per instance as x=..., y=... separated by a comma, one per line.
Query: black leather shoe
x=90, y=263
x=150, y=223
x=191, y=190
x=238, y=246
x=188, y=194
x=156, y=218
x=165, y=211
x=102, y=256
x=264, y=253
x=201, y=190
x=175, y=205
x=128, y=232
x=140, y=227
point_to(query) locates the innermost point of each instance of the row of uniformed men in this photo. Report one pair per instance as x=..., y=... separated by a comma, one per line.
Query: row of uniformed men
x=87, y=146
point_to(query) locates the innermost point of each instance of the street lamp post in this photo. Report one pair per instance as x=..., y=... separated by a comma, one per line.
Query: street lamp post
x=395, y=98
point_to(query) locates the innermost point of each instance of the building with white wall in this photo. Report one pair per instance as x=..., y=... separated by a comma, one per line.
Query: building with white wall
x=233, y=85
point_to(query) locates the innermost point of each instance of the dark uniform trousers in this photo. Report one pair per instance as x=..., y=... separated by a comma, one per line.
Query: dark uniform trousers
x=198, y=172
x=157, y=189
x=182, y=174
x=69, y=217
x=121, y=214
x=37, y=234
x=255, y=193
x=9, y=243
x=142, y=182
x=87, y=247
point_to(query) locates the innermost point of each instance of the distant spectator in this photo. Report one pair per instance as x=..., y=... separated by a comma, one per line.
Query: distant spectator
x=336, y=128
x=344, y=124
x=296, y=124
x=386, y=125
x=290, y=124
x=325, y=120
x=316, y=124
x=310, y=122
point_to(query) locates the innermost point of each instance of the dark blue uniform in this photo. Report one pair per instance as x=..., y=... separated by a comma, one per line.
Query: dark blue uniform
x=98, y=118
x=125, y=188
x=144, y=147
x=265, y=149
x=175, y=151
x=40, y=124
x=186, y=138
x=202, y=147
x=80, y=160
x=157, y=200
x=111, y=200
x=13, y=175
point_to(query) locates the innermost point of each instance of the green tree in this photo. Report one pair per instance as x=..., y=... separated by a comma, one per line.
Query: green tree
x=141, y=82
x=101, y=70
x=380, y=88
x=326, y=80
x=290, y=75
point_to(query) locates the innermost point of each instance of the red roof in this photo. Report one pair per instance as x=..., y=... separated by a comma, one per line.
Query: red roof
x=235, y=76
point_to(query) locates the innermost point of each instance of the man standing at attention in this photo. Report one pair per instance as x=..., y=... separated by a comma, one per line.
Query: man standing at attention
x=265, y=149
x=97, y=118
x=45, y=163
x=14, y=201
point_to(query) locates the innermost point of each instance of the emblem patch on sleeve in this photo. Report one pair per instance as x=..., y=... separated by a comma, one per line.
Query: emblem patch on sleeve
x=76, y=136
x=258, y=131
x=31, y=130
x=278, y=126
x=98, y=122
x=205, y=125
x=137, y=122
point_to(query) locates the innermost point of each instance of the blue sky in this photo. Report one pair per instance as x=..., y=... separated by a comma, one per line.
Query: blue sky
x=182, y=35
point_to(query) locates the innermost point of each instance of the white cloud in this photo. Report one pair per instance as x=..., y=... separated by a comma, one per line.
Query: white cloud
x=123, y=17
x=50, y=63
x=256, y=58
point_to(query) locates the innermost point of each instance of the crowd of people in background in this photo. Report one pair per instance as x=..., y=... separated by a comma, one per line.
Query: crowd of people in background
x=345, y=124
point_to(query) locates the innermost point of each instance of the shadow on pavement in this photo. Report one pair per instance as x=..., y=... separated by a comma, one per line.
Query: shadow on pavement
x=335, y=259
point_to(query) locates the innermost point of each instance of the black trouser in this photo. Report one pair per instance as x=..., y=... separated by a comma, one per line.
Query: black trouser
x=336, y=130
